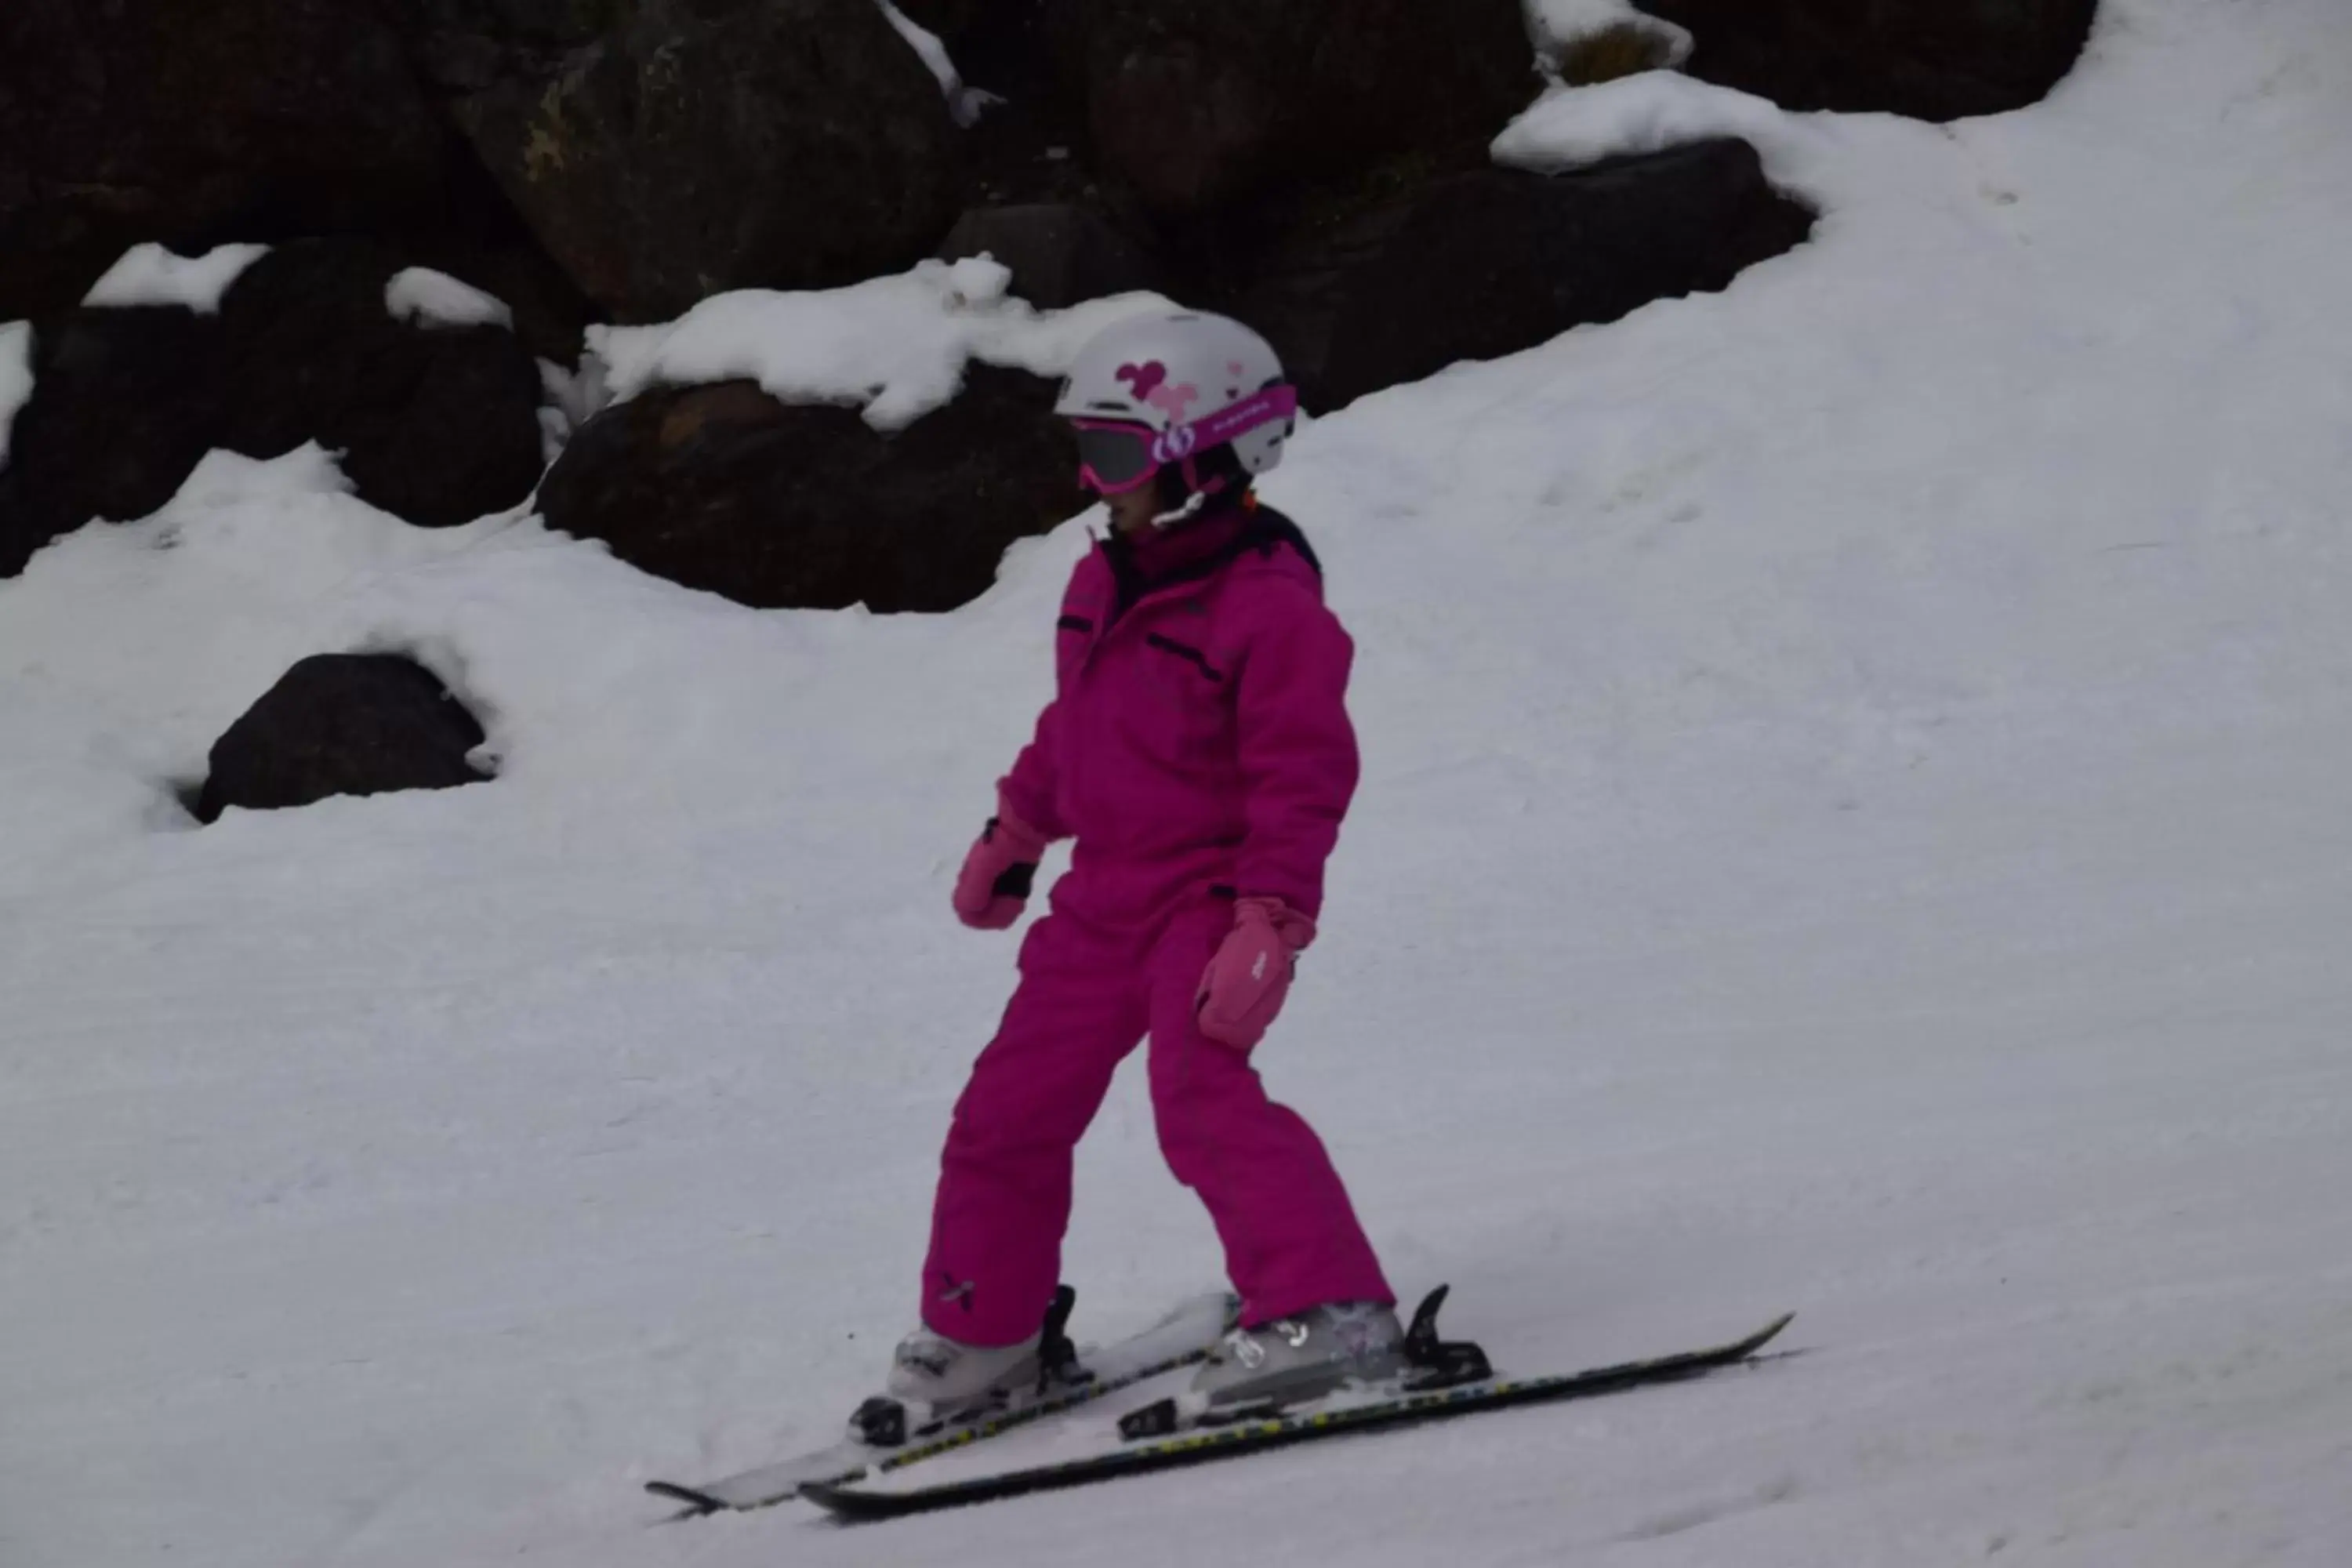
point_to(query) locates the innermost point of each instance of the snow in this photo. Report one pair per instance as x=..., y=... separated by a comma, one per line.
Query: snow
x=895, y=346
x=1572, y=126
x=15, y=376
x=151, y=275
x=431, y=299
x=965, y=104
x=1854, y=821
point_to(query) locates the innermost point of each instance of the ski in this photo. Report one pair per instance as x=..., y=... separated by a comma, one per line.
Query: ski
x=1179, y=1339
x=1199, y=1443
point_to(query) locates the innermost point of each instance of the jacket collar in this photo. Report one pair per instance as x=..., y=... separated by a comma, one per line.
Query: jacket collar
x=1198, y=550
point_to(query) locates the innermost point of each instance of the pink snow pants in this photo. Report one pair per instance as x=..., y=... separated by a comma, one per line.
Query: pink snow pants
x=1088, y=994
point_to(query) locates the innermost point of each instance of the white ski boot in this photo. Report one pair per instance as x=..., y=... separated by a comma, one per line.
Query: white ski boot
x=1295, y=1359
x=936, y=1382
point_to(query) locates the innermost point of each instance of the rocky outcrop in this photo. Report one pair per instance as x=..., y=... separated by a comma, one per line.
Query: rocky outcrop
x=124, y=403
x=702, y=145
x=342, y=724
x=1934, y=59
x=1482, y=264
x=437, y=425
x=725, y=488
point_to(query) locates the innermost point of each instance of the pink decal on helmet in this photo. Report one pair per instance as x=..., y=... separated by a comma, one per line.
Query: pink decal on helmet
x=1173, y=401
x=1144, y=379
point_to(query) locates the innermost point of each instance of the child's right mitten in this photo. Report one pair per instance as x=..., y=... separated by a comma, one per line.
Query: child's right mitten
x=997, y=874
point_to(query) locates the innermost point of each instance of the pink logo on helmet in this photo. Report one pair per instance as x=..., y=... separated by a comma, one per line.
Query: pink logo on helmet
x=1148, y=382
x=1143, y=379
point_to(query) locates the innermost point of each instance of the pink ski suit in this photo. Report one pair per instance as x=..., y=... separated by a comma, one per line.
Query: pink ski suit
x=1197, y=748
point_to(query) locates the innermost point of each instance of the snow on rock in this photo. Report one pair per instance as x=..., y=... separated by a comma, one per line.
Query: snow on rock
x=431, y=299
x=152, y=275
x=1568, y=128
x=894, y=347
x=964, y=103
x=15, y=376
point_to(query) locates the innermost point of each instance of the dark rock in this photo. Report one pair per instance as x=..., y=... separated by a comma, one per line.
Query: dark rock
x=1028, y=146
x=343, y=724
x=1060, y=253
x=1482, y=264
x=701, y=145
x=1934, y=59
x=124, y=403
x=437, y=425
x=466, y=46
x=1198, y=106
x=723, y=488
x=158, y=119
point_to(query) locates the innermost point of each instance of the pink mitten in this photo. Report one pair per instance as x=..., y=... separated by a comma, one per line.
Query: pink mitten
x=1245, y=982
x=997, y=875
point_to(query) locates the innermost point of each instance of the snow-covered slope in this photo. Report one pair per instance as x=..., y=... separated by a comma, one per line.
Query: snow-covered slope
x=1855, y=820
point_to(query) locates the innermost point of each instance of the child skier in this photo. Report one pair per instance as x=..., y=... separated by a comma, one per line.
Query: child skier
x=1198, y=751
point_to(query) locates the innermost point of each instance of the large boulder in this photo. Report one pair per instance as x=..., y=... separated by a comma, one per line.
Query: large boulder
x=702, y=145
x=343, y=724
x=438, y=425
x=1485, y=263
x=159, y=120
x=808, y=507
x=1934, y=60
x=124, y=403
x=435, y=423
x=1199, y=105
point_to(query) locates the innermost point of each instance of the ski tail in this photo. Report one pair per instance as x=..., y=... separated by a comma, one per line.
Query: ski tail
x=1181, y=1338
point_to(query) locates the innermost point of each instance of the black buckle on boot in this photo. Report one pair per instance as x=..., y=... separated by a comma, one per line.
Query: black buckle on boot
x=1440, y=1363
x=1057, y=1357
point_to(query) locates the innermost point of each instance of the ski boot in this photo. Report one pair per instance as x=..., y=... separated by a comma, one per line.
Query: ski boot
x=1263, y=1371
x=937, y=1383
x=1292, y=1359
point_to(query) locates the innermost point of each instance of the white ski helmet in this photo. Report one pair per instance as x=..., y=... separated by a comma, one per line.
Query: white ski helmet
x=1194, y=382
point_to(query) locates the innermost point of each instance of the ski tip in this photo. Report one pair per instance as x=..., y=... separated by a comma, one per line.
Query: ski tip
x=696, y=1502
x=1766, y=1335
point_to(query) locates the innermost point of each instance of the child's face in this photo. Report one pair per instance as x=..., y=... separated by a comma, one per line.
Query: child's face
x=1131, y=511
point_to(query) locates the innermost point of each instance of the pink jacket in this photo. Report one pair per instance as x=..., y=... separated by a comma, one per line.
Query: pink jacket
x=1198, y=739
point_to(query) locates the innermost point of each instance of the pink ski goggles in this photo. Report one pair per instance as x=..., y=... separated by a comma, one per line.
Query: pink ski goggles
x=1116, y=455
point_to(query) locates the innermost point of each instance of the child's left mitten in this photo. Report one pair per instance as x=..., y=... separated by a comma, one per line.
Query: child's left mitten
x=1247, y=980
